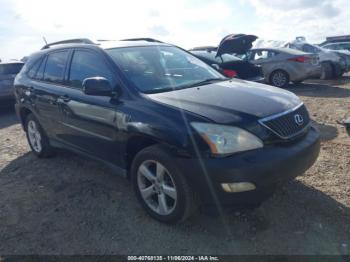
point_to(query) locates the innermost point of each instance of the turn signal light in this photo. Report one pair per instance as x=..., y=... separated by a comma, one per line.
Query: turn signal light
x=238, y=187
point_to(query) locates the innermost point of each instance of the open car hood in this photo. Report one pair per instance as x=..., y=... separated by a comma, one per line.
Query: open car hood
x=236, y=44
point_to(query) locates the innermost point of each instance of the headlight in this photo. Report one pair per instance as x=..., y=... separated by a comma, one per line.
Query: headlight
x=224, y=140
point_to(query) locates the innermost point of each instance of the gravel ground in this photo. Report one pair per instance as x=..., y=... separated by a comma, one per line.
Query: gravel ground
x=68, y=205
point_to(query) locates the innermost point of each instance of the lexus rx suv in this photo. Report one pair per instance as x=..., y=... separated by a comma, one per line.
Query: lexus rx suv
x=182, y=133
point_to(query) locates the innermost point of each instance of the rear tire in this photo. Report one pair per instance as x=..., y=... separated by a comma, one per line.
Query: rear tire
x=160, y=187
x=279, y=78
x=327, y=71
x=37, y=139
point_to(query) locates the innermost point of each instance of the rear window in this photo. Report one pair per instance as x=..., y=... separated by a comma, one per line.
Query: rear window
x=10, y=69
x=55, y=66
x=40, y=73
x=32, y=71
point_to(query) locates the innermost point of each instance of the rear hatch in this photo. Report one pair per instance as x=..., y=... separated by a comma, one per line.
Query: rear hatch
x=236, y=44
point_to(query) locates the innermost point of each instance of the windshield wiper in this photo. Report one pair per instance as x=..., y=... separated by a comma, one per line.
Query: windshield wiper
x=200, y=83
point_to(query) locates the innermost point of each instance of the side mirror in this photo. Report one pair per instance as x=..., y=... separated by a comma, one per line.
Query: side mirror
x=97, y=86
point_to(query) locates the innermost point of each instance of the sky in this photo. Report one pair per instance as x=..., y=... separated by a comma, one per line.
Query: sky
x=186, y=23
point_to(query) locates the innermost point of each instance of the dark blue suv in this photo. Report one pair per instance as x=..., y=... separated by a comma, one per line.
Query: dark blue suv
x=185, y=135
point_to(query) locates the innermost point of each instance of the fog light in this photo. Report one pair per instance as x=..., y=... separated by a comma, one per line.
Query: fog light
x=238, y=187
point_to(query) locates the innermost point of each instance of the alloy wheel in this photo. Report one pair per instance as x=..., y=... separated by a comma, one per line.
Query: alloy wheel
x=279, y=79
x=157, y=187
x=34, y=136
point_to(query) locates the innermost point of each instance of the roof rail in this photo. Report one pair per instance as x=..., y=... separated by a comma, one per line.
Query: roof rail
x=105, y=40
x=69, y=41
x=143, y=39
x=205, y=48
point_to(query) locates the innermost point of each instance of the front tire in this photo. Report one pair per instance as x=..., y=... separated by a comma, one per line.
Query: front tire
x=279, y=78
x=161, y=188
x=37, y=139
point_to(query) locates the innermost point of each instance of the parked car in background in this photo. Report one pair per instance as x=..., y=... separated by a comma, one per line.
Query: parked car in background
x=180, y=131
x=337, y=46
x=283, y=65
x=229, y=65
x=8, y=72
x=334, y=63
x=336, y=39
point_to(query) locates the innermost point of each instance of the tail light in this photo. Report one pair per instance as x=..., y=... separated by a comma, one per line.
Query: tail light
x=230, y=73
x=300, y=59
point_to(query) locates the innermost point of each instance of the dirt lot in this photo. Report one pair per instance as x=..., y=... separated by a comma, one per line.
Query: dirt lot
x=68, y=205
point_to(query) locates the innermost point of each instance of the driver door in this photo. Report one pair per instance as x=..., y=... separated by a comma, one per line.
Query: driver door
x=89, y=121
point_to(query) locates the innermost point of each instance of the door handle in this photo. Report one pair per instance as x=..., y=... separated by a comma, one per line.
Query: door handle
x=64, y=99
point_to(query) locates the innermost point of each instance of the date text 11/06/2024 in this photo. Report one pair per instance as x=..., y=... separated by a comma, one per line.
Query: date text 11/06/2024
x=173, y=258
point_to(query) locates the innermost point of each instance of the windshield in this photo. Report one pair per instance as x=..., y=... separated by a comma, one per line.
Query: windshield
x=154, y=69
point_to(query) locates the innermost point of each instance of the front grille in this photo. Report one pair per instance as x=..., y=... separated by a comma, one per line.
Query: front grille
x=288, y=124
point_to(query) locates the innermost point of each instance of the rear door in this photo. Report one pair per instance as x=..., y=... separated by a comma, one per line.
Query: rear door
x=45, y=87
x=49, y=81
x=89, y=121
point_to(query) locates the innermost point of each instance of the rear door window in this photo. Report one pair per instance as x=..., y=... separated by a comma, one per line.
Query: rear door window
x=55, y=67
x=86, y=64
x=259, y=55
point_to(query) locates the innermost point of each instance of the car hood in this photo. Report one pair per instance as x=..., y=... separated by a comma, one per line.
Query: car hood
x=230, y=101
x=236, y=44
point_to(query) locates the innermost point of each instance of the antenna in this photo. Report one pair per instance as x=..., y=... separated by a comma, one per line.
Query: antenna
x=45, y=40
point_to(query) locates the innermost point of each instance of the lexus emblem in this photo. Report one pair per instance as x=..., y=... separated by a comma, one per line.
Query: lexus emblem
x=298, y=119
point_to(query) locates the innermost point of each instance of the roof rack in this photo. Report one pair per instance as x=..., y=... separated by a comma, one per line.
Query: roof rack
x=142, y=39
x=205, y=48
x=69, y=41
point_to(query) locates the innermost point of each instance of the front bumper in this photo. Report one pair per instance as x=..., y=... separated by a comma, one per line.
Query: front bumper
x=265, y=168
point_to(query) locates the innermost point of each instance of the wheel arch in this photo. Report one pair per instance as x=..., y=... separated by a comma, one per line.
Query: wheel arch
x=23, y=114
x=134, y=145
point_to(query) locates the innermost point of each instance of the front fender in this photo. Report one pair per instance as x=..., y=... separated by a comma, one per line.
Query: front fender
x=172, y=137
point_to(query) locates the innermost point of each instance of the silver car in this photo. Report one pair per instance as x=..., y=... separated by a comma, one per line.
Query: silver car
x=337, y=46
x=284, y=65
x=334, y=62
x=8, y=72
